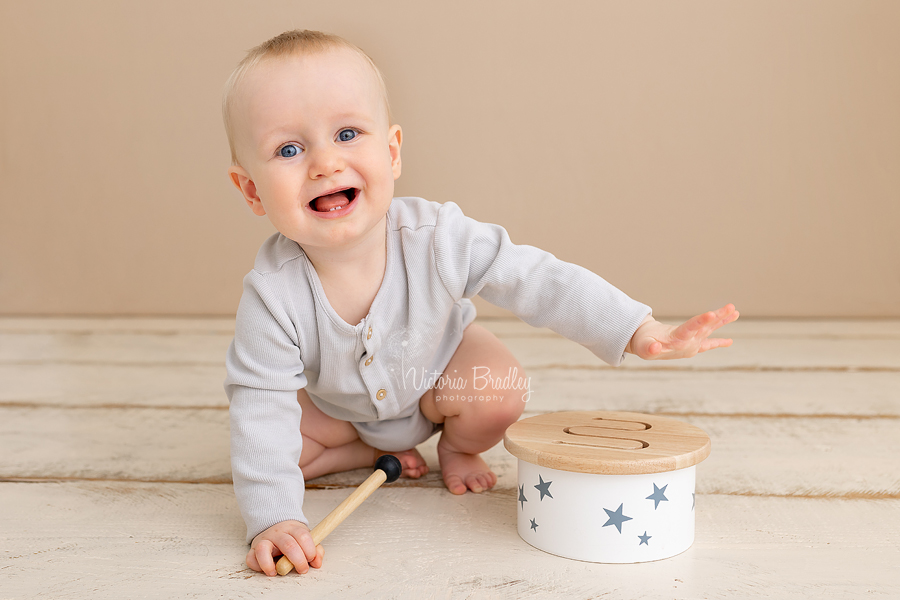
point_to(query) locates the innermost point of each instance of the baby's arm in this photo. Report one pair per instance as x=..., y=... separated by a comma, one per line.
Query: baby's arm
x=265, y=371
x=654, y=340
x=291, y=538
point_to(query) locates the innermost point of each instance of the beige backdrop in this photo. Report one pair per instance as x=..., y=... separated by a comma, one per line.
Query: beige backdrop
x=692, y=153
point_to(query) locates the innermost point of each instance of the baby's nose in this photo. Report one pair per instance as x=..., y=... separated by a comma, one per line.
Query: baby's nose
x=325, y=161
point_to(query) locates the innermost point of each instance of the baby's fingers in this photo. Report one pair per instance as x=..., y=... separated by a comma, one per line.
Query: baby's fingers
x=702, y=325
x=689, y=328
x=654, y=349
x=316, y=563
x=710, y=343
x=298, y=551
x=725, y=315
x=260, y=557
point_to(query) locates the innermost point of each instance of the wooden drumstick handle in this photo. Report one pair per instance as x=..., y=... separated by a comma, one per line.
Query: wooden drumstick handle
x=385, y=470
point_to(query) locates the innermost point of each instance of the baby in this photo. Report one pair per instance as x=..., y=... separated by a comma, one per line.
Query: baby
x=356, y=315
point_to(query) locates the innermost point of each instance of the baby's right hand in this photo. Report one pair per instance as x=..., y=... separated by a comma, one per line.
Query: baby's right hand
x=290, y=538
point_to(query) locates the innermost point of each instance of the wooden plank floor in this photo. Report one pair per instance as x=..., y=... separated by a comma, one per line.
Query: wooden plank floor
x=115, y=479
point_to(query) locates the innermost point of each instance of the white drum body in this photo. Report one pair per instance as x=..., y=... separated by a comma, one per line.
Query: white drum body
x=606, y=486
x=606, y=518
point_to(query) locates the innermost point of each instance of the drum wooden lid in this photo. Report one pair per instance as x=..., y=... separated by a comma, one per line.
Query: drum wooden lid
x=607, y=442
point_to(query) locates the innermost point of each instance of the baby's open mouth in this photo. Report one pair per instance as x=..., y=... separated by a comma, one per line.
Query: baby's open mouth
x=334, y=201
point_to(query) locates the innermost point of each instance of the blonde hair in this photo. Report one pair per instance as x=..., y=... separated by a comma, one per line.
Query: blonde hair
x=289, y=43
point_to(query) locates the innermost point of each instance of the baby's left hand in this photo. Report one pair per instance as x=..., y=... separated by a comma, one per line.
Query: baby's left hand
x=654, y=340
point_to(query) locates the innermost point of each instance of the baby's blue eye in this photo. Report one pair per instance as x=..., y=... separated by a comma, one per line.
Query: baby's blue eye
x=289, y=151
x=346, y=135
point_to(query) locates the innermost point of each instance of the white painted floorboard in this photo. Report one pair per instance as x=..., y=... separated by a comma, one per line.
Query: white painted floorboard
x=780, y=456
x=132, y=540
x=115, y=480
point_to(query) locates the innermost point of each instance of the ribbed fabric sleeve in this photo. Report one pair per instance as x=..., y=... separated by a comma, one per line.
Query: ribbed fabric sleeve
x=475, y=258
x=265, y=371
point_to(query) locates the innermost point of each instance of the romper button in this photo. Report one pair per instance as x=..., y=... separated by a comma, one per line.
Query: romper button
x=369, y=360
x=381, y=394
x=369, y=335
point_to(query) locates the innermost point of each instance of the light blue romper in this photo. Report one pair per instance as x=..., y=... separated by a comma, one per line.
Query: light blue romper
x=372, y=374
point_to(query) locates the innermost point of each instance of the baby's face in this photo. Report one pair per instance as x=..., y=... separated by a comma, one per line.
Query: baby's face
x=317, y=153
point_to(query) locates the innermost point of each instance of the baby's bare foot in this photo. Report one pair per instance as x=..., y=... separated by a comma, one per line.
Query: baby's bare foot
x=464, y=471
x=413, y=464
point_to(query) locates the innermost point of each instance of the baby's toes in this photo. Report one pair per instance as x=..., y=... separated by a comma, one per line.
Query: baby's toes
x=479, y=482
x=455, y=484
x=412, y=463
x=474, y=482
x=415, y=472
x=415, y=466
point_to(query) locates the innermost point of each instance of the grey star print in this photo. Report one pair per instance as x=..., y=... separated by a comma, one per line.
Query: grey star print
x=544, y=487
x=534, y=525
x=616, y=518
x=657, y=496
x=522, y=498
x=644, y=538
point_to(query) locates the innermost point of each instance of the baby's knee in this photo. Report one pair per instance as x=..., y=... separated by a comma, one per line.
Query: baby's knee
x=503, y=392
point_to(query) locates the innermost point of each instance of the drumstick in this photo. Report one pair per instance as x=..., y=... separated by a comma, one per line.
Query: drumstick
x=387, y=469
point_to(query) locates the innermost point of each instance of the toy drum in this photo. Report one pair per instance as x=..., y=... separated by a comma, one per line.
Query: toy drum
x=610, y=487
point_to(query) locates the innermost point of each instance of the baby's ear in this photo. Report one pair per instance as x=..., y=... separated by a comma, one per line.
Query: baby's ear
x=241, y=180
x=395, y=139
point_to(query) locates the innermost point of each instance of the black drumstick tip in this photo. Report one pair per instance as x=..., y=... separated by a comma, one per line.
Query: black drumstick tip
x=391, y=466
